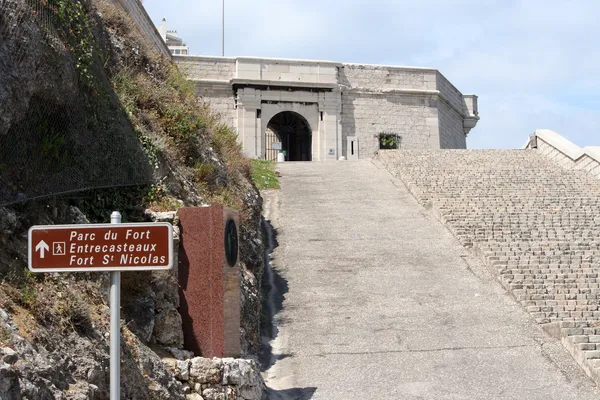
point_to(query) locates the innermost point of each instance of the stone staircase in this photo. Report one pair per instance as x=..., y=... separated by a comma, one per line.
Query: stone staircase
x=535, y=224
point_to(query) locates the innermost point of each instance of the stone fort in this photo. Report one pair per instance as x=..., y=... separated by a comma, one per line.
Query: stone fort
x=323, y=110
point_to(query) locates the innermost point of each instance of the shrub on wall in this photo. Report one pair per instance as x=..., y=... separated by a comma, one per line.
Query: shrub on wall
x=388, y=141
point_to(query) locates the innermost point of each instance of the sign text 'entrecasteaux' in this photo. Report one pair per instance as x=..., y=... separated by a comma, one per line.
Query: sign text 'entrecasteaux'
x=100, y=247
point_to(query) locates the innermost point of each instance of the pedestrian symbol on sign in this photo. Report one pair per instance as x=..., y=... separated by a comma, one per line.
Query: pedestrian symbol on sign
x=58, y=248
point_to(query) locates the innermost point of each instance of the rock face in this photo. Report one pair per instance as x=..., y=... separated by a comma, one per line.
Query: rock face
x=167, y=329
x=54, y=346
x=49, y=142
x=74, y=364
x=534, y=223
x=252, y=268
x=77, y=368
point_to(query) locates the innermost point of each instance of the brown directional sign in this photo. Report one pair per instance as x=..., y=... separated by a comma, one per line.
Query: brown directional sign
x=100, y=247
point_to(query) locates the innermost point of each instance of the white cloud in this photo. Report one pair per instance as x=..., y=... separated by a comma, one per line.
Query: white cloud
x=534, y=63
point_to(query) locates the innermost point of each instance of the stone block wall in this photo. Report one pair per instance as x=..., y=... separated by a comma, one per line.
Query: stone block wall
x=404, y=101
x=220, y=98
x=211, y=76
x=450, y=93
x=450, y=122
x=353, y=100
x=383, y=77
x=213, y=68
x=219, y=379
x=366, y=115
x=281, y=70
x=555, y=154
x=590, y=164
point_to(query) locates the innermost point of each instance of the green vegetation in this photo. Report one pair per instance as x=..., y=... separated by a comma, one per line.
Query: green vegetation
x=28, y=290
x=171, y=124
x=28, y=296
x=53, y=143
x=151, y=150
x=264, y=175
x=72, y=20
x=5, y=336
x=204, y=172
x=387, y=141
x=164, y=109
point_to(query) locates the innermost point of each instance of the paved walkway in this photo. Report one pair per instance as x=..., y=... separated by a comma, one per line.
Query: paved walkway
x=383, y=303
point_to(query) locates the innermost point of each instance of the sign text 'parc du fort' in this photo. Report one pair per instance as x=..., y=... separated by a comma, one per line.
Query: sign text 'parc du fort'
x=100, y=247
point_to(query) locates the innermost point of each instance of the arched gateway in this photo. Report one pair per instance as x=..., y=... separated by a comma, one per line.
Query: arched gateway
x=289, y=132
x=323, y=110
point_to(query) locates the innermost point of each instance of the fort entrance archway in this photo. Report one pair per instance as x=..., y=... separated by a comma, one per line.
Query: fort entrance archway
x=290, y=132
x=346, y=107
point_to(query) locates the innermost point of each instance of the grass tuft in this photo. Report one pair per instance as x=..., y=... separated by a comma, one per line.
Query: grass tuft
x=264, y=175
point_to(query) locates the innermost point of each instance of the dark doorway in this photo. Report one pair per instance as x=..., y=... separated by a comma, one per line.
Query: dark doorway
x=293, y=133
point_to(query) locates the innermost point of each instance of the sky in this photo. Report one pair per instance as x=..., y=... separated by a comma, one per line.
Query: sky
x=535, y=64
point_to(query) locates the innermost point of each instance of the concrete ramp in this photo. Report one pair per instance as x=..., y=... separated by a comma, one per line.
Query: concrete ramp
x=381, y=301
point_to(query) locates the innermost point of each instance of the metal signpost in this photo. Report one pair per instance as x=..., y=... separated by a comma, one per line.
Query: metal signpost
x=103, y=247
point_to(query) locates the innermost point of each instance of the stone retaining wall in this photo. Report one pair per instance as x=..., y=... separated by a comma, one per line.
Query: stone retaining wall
x=219, y=378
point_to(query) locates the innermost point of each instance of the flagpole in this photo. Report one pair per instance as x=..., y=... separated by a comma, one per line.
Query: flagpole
x=223, y=32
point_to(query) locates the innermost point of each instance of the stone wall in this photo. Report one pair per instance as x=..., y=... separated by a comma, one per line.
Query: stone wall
x=418, y=104
x=211, y=76
x=565, y=153
x=383, y=77
x=138, y=14
x=220, y=97
x=213, y=68
x=284, y=70
x=219, y=378
x=452, y=110
x=366, y=115
x=450, y=93
x=450, y=122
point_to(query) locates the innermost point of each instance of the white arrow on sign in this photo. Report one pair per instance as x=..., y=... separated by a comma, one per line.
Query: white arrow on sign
x=41, y=247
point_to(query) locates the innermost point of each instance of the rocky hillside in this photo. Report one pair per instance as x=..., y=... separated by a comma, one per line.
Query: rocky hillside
x=92, y=116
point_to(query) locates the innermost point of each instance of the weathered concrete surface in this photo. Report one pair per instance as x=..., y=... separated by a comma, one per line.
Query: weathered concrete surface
x=384, y=303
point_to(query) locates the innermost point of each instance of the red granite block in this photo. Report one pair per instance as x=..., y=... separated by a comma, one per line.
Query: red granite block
x=209, y=287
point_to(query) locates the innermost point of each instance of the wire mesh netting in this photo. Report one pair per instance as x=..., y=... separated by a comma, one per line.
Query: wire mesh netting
x=62, y=128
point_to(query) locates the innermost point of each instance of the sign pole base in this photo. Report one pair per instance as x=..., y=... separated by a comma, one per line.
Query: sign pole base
x=115, y=326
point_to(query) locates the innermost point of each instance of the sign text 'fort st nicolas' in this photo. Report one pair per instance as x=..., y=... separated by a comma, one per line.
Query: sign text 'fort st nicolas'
x=100, y=247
